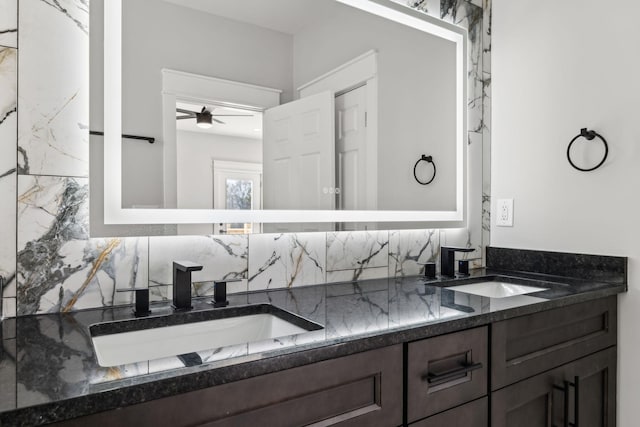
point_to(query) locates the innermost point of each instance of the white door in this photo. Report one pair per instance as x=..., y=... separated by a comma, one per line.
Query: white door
x=351, y=154
x=237, y=185
x=299, y=154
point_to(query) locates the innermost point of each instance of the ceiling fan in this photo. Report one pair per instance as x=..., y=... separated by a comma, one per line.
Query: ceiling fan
x=204, y=118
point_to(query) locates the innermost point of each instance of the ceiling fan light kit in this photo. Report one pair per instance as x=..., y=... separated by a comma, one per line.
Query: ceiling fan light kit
x=203, y=120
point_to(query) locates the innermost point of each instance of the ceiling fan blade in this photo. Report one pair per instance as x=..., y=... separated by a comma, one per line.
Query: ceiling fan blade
x=232, y=115
x=218, y=121
x=183, y=111
x=184, y=117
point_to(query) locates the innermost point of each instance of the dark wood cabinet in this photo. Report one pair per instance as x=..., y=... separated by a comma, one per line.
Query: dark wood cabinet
x=554, y=368
x=580, y=393
x=527, y=345
x=364, y=389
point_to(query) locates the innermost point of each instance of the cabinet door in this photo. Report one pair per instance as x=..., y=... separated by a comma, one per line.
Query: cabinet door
x=528, y=345
x=580, y=393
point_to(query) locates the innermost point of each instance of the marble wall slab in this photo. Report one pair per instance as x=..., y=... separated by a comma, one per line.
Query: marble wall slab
x=357, y=255
x=222, y=257
x=430, y=7
x=409, y=248
x=9, y=23
x=53, y=124
x=286, y=260
x=472, y=16
x=486, y=121
x=59, y=268
x=8, y=132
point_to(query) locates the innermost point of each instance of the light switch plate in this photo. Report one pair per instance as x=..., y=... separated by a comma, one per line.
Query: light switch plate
x=504, y=213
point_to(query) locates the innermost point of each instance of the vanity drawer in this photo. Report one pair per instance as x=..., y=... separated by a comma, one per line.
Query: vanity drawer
x=472, y=414
x=446, y=371
x=525, y=346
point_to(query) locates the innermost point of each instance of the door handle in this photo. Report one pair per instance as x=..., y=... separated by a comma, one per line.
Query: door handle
x=566, y=385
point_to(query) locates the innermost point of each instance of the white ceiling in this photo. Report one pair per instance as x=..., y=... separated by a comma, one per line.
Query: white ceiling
x=243, y=127
x=286, y=16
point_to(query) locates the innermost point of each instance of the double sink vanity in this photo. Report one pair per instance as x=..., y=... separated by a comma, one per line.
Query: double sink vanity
x=389, y=352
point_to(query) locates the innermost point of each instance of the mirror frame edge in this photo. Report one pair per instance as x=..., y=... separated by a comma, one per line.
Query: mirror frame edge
x=115, y=214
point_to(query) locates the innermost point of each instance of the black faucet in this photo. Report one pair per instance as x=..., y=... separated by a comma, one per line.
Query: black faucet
x=182, y=283
x=142, y=301
x=220, y=292
x=447, y=260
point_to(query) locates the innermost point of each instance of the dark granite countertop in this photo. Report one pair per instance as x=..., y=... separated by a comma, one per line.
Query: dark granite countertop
x=49, y=372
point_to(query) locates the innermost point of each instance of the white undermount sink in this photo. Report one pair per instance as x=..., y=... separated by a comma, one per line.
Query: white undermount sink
x=495, y=289
x=154, y=343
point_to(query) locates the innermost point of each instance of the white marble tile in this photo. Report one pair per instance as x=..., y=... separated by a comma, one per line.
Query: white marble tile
x=355, y=250
x=473, y=237
x=9, y=23
x=431, y=7
x=59, y=267
x=52, y=209
x=54, y=88
x=357, y=274
x=222, y=256
x=8, y=93
x=407, y=248
x=105, y=265
x=286, y=260
x=201, y=289
x=9, y=290
x=486, y=36
x=8, y=307
x=486, y=129
x=8, y=190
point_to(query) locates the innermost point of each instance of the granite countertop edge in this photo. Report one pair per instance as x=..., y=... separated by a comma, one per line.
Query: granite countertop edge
x=200, y=377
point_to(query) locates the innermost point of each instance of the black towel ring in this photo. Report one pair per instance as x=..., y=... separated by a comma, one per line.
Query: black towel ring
x=427, y=159
x=589, y=135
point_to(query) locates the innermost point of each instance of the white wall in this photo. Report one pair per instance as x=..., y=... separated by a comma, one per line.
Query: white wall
x=196, y=152
x=416, y=110
x=558, y=67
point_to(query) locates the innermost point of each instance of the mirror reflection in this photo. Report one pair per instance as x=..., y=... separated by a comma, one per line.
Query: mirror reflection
x=284, y=104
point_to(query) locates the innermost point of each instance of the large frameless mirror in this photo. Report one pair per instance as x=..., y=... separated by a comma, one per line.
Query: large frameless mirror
x=281, y=112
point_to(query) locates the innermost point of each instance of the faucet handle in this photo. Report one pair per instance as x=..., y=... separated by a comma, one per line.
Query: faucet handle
x=142, y=300
x=429, y=269
x=220, y=292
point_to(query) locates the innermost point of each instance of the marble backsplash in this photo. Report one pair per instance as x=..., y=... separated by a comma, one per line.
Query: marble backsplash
x=48, y=261
x=89, y=277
